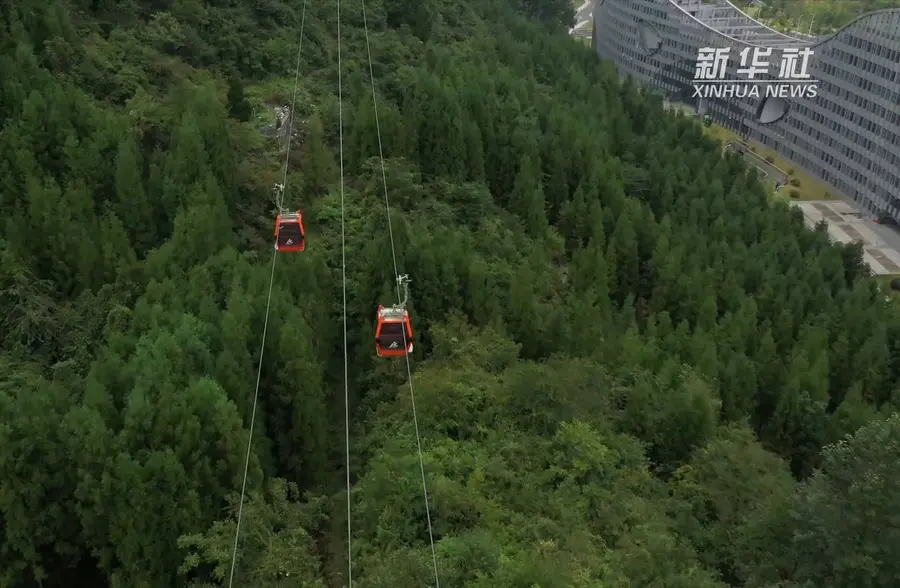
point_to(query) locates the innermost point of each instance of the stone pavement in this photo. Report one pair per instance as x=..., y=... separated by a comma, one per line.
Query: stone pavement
x=847, y=224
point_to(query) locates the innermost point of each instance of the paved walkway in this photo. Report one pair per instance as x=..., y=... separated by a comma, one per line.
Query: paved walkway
x=768, y=170
x=583, y=15
x=846, y=224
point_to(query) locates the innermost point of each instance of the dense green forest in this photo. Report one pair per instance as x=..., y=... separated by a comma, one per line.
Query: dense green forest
x=632, y=367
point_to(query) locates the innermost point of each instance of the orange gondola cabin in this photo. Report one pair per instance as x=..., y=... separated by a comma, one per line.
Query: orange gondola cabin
x=393, y=324
x=290, y=235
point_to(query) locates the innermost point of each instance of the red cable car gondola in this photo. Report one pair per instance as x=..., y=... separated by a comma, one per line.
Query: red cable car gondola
x=290, y=235
x=393, y=333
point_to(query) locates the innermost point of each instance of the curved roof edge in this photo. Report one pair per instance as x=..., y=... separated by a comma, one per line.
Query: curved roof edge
x=800, y=42
x=687, y=14
x=767, y=27
x=865, y=16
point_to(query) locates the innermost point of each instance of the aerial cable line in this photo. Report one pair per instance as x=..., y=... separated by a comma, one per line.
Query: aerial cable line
x=401, y=298
x=344, y=301
x=279, y=199
x=290, y=131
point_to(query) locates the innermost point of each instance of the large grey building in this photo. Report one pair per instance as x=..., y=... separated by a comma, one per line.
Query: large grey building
x=848, y=135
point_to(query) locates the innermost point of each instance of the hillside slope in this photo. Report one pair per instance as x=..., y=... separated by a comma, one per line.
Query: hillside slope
x=627, y=359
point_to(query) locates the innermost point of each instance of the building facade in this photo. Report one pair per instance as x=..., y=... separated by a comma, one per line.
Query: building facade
x=848, y=135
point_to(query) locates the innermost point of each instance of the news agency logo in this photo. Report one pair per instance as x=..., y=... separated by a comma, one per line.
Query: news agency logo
x=793, y=81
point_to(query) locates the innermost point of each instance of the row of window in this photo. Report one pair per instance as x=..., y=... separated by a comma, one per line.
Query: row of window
x=889, y=115
x=834, y=170
x=880, y=49
x=861, y=62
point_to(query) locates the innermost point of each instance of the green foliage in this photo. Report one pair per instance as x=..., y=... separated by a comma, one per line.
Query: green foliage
x=238, y=105
x=628, y=359
x=812, y=16
x=839, y=506
x=278, y=550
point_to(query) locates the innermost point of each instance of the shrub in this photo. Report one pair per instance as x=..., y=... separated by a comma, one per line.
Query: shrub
x=790, y=171
x=794, y=194
x=795, y=182
x=770, y=159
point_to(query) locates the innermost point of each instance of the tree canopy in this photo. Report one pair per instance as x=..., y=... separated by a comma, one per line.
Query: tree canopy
x=633, y=367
